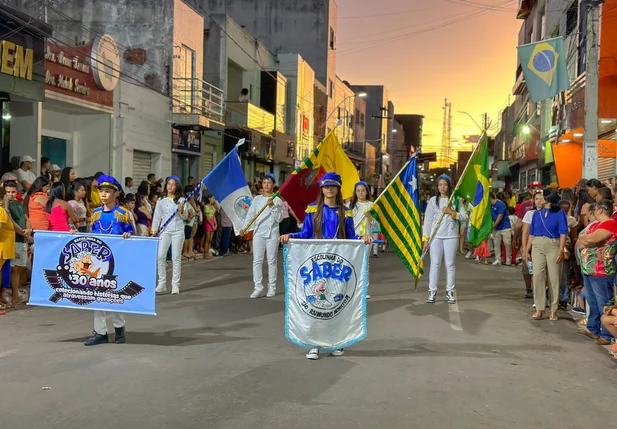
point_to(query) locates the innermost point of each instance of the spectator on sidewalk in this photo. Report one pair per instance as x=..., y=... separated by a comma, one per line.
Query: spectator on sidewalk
x=525, y=224
x=227, y=226
x=54, y=173
x=25, y=175
x=95, y=195
x=45, y=168
x=598, y=248
x=59, y=212
x=7, y=251
x=128, y=185
x=143, y=216
x=77, y=200
x=502, y=230
x=593, y=187
x=604, y=193
x=67, y=178
x=35, y=202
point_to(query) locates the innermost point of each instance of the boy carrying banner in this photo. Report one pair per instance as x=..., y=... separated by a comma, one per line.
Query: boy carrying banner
x=328, y=218
x=109, y=219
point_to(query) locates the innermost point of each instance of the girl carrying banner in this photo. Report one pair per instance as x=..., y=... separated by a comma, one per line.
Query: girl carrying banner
x=168, y=224
x=328, y=218
x=265, y=236
x=445, y=241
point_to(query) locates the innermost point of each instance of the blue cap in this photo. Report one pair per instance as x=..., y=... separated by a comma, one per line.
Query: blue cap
x=106, y=181
x=361, y=184
x=331, y=179
x=444, y=176
x=176, y=178
x=270, y=176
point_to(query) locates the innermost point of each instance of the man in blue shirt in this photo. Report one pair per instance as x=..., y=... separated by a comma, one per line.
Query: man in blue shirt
x=502, y=230
x=109, y=219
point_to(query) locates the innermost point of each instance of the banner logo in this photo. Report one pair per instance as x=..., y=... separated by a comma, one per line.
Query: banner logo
x=242, y=205
x=326, y=283
x=85, y=274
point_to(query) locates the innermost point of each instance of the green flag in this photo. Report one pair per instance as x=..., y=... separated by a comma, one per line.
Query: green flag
x=544, y=68
x=475, y=187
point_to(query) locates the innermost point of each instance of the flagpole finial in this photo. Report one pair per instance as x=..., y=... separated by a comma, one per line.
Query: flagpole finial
x=240, y=142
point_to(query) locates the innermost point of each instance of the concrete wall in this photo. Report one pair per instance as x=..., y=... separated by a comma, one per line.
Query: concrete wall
x=143, y=123
x=187, y=32
x=376, y=129
x=26, y=119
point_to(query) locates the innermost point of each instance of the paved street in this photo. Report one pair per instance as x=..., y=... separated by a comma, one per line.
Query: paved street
x=214, y=359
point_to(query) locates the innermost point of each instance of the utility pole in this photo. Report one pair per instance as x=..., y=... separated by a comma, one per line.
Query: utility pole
x=590, y=140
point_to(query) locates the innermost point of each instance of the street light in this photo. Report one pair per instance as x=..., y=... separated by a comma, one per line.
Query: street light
x=526, y=129
x=395, y=131
x=359, y=94
x=474, y=121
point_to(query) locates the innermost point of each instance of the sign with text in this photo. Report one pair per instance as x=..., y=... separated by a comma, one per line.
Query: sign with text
x=94, y=272
x=186, y=141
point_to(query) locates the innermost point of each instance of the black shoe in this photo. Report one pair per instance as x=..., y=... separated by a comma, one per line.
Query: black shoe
x=529, y=294
x=96, y=340
x=120, y=335
x=563, y=305
x=375, y=255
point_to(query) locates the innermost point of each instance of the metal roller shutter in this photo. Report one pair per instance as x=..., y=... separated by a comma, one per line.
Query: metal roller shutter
x=606, y=168
x=142, y=165
x=208, y=163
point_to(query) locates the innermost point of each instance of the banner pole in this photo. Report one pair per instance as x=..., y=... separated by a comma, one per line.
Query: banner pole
x=434, y=231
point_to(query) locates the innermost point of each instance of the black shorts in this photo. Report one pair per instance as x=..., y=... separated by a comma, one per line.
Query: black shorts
x=188, y=230
x=200, y=232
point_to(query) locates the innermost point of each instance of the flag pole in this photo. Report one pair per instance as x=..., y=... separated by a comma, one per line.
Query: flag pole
x=276, y=194
x=387, y=187
x=434, y=232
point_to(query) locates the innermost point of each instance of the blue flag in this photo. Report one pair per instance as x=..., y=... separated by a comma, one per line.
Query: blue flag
x=94, y=272
x=228, y=185
x=544, y=68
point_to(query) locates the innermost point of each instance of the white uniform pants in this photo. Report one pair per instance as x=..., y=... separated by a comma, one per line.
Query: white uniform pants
x=447, y=249
x=176, y=240
x=271, y=247
x=100, y=321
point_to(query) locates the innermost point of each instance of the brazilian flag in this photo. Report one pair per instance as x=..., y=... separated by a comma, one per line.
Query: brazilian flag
x=544, y=68
x=475, y=187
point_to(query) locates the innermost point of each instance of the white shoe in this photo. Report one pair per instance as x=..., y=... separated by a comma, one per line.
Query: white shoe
x=468, y=255
x=161, y=289
x=339, y=352
x=271, y=293
x=175, y=291
x=450, y=298
x=432, y=297
x=497, y=263
x=313, y=354
x=256, y=294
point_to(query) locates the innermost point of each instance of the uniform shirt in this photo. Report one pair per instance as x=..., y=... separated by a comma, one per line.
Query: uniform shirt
x=366, y=227
x=113, y=222
x=548, y=224
x=500, y=208
x=267, y=224
x=329, y=225
x=164, y=210
x=450, y=227
x=599, y=260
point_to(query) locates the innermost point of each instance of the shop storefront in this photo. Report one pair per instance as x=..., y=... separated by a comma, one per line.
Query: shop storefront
x=22, y=82
x=186, y=153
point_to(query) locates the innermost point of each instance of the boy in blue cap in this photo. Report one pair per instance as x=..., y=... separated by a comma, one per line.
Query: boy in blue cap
x=110, y=219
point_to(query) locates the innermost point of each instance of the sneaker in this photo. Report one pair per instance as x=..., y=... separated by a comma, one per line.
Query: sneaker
x=175, y=290
x=450, y=297
x=375, y=255
x=368, y=296
x=563, y=305
x=508, y=264
x=161, y=289
x=496, y=263
x=432, y=297
x=257, y=293
x=579, y=310
x=271, y=293
x=528, y=293
x=313, y=354
x=339, y=352
x=468, y=255
x=96, y=340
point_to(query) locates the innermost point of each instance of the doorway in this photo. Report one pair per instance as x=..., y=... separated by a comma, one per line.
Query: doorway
x=54, y=149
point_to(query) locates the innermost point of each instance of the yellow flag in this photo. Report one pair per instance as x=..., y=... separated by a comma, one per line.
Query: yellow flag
x=332, y=157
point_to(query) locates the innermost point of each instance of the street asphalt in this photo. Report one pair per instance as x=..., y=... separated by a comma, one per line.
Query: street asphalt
x=212, y=358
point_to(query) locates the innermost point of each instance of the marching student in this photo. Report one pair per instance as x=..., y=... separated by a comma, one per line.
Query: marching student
x=109, y=219
x=445, y=242
x=328, y=219
x=360, y=204
x=168, y=224
x=265, y=235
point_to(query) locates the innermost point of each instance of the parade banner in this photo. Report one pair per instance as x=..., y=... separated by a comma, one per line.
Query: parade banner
x=325, y=299
x=94, y=272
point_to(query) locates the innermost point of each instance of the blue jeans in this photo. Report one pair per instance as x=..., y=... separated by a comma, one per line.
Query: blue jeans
x=226, y=236
x=599, y=291
x=564, y=289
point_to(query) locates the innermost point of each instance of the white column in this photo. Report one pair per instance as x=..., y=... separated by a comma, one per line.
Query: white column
x=26, y=122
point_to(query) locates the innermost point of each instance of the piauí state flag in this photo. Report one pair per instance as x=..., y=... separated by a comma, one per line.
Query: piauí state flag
x=544, y=68
x=228, y=185
x=475, y=187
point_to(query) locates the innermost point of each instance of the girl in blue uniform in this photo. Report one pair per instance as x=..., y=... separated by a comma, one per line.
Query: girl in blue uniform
x=328, y=219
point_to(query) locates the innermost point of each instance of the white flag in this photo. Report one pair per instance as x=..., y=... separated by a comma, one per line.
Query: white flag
x=325, y=301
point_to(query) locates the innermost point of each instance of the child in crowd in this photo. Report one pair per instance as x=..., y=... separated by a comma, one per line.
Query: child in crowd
x=7, y=251
x=482, y=253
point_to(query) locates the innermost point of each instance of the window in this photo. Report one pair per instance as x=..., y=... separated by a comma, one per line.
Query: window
x=332, y=39
x=330, y=88
x=185, y=75
x=362, y=119
x=572, y=18
x=338, y=114
x=357, y=115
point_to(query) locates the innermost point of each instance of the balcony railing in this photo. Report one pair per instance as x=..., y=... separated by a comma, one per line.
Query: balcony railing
x=196, y=96
x=247, y=115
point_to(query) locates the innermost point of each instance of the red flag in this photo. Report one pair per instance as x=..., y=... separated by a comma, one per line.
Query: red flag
x=301, y=189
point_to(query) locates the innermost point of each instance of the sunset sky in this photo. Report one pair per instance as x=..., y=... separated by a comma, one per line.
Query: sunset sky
x=425, y=51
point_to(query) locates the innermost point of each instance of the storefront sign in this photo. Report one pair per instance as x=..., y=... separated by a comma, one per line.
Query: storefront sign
x=576, y=110
x=69, y=72
x=16, y=60
x=186, y=141
x=106, y=62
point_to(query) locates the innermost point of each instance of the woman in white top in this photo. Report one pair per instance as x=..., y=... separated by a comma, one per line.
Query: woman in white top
x=265, y=235
x=445, y=243
x=168, y=224
x=364, y=224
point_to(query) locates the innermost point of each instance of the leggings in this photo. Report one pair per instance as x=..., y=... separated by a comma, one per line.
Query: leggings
x=446, y=248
